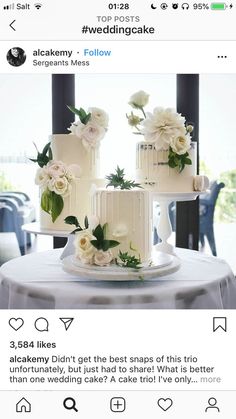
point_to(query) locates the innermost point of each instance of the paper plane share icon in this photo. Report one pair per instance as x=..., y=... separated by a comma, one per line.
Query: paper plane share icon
x=67, y=321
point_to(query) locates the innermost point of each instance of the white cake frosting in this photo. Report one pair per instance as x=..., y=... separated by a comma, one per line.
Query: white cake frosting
x=129, y=217
x=153, y=172
x=70, y=150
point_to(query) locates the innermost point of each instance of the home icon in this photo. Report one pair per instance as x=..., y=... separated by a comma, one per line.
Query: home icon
x=23, y=406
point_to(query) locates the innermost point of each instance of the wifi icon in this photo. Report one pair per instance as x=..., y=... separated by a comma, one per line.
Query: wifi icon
x=38, y=6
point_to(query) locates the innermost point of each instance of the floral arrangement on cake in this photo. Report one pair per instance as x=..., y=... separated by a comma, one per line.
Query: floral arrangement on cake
x=91, y=126
x=92, y=246
x=118, y=181
x=55, y=180
x=165, y=128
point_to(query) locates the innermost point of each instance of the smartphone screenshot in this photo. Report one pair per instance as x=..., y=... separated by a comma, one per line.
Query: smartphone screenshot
x=117, y=209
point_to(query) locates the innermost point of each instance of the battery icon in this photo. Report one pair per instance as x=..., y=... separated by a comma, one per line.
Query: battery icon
x=218, y=6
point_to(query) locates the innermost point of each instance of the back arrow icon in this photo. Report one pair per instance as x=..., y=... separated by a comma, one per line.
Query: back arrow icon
x=12, y=24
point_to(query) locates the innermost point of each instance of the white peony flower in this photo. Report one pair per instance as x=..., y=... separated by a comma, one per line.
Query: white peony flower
x=163, y=125
x=120, y=231
x=181, y=145
x=84, y=250
x=41, y=178
x=139, y=99
x=99, y=116
x=102, y=258
x=56, y=169
x=90, y=134
x=60, y=186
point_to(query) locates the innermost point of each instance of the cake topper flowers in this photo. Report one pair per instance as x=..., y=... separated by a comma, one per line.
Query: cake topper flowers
x=91, y=126
x=165, y=128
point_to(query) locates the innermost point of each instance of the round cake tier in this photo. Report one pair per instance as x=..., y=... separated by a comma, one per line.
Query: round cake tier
x=78, y=203
x=69, y=149
x=128, y=214
x=154, y=173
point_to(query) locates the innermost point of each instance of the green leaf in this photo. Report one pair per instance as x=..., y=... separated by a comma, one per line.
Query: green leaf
x=98, y=233
x=105, y=228
x=113, y=243
x=46, y=201
x=117, y=180
x=86, y=223
x=46, y=149
x=57, y=206
x=72, y=220
x=188, y=161
x=86, y=118
x=74, y=110
x=96, y=244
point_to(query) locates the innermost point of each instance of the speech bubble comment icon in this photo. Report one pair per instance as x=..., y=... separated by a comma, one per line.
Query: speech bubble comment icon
x=41, y=324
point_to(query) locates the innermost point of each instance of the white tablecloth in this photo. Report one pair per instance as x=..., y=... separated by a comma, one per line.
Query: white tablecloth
x=37, y=281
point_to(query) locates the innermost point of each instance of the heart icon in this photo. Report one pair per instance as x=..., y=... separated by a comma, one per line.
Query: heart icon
x=16, y=324
x=165, y=404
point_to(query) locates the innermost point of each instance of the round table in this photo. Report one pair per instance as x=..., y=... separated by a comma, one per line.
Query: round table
x=35, y=228
x=37, y=281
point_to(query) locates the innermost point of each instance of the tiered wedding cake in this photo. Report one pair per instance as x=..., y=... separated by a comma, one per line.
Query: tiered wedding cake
x=69, y=165
x=166, y=159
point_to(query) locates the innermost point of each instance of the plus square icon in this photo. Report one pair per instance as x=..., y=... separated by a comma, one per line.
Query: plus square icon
x=117, y=404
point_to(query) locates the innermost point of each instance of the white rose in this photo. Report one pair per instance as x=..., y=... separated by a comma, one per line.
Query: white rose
x=102, y=258
x=99, y=116
x=90, y=134
x=41, y=177
x=139, y=99
x=56, y=168
x=120, y=231
x=181, y=145
x=84, y=250
x=163, y=125
x=60, y=186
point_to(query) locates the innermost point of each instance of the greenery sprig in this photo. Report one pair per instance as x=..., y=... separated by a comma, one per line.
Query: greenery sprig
x=44, y=157
x=128, y=261
x=84, y=117
x=178, y=160
x=117, y=180
x=101, y=243
x=52, y=204
x=72, y=220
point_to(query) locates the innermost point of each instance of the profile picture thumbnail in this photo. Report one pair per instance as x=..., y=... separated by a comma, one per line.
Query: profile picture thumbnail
x=16, y=56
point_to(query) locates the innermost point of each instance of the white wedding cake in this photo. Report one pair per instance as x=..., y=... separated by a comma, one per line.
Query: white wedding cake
x=154, y=173
x=69, y=150
x=68, y=167
x=128, y=214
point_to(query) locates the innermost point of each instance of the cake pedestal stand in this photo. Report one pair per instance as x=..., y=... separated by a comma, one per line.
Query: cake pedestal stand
x=164, y=228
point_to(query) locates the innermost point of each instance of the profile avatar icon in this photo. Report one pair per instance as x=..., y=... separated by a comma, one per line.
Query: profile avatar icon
x=16, y=56
x=212, y=405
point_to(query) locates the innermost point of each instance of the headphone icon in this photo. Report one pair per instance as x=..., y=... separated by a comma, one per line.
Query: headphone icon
x=185, y=6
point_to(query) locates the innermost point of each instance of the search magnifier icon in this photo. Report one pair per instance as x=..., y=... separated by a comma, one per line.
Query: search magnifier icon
x=70, y=404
